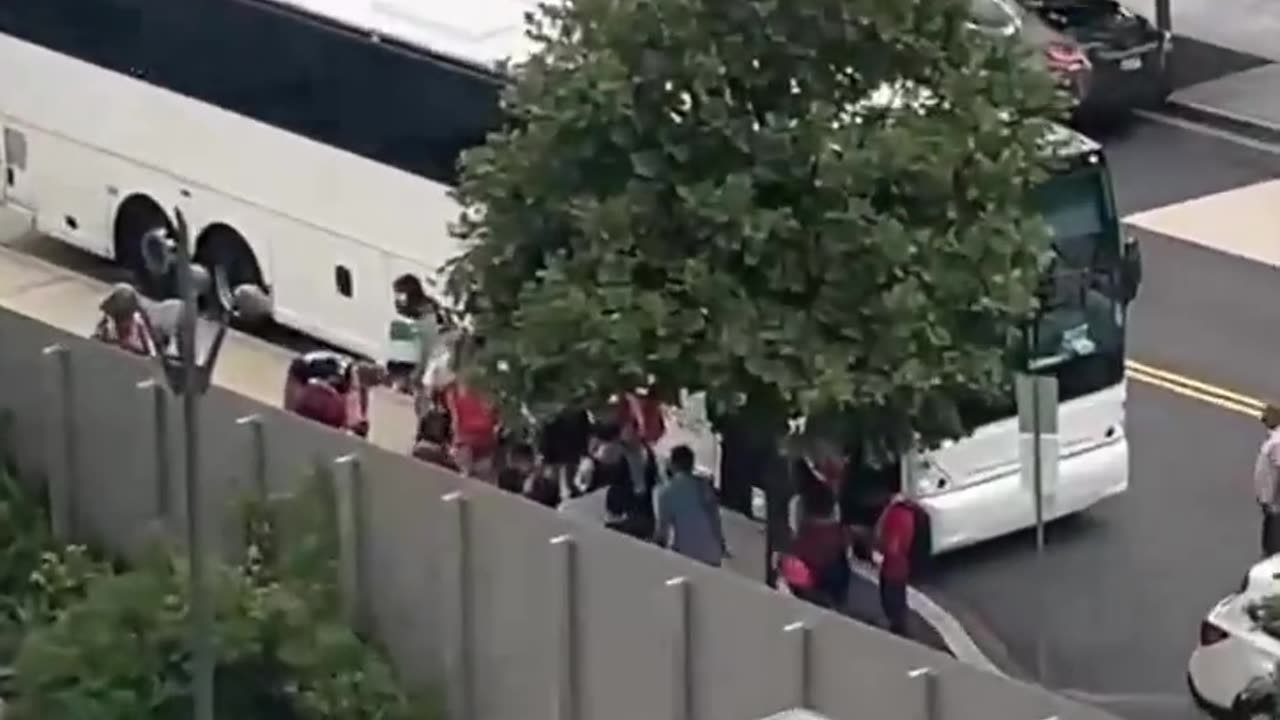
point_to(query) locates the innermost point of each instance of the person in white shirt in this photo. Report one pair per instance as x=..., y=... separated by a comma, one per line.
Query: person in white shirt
x=1266, y=481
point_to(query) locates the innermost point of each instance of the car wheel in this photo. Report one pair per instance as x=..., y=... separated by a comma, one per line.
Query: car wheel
x=1252, y=707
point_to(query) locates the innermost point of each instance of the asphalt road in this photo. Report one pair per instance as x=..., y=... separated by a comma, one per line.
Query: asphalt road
x=1127, y=583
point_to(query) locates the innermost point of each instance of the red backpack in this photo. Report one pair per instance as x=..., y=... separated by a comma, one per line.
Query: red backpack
x=320, y=402
x=475, y=423
x=645, y=414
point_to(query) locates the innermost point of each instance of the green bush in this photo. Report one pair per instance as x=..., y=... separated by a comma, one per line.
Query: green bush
x=38, y=577
x=282, y=649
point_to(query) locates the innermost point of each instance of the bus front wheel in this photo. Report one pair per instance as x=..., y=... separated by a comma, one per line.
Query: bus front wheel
x=230, y=263
x=138, y=222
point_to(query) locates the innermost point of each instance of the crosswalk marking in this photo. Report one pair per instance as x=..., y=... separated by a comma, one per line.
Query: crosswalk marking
x=1244, y=221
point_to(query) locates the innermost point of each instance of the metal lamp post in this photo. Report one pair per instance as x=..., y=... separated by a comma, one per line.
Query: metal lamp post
x=189, y=378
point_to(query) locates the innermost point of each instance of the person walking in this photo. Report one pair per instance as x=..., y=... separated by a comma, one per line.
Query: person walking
x=362, y=377
x=413, y=303
x=1266, y=479
x=475, y=429
x=432, y=443
x=123, y=323
x=895, y=535
x=632, y=498
x=563, y=441
x=688, y=513
x=821, y=543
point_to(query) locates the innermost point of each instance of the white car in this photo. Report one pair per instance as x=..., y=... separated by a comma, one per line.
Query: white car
x=1232, y=670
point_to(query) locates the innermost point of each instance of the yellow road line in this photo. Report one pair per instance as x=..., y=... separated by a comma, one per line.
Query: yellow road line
x=1195, y=389
x=1204, y=387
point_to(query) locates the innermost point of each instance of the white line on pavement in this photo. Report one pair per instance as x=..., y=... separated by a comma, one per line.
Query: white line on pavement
x=1202, y=129
x=946, y=624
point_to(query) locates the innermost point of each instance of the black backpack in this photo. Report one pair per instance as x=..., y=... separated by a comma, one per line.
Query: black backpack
x=922, y=541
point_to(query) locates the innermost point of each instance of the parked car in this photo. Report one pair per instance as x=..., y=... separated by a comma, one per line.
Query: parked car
x=1058, y=53
x=1232, y=671
x=1109, y=58
x=1127, y=54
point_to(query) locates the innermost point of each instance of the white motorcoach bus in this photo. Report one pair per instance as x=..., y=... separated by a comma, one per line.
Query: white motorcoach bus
x=972, y=488
x=311, y=145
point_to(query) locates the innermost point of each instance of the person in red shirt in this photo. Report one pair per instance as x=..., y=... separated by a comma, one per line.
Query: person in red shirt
x=475, y=429
x=124, y=324
x=643, y=413
x=821, y=543
x=895, y=533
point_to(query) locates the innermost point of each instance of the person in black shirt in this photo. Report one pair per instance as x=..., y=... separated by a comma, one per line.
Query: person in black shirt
x=518, y=469
x=564, y=441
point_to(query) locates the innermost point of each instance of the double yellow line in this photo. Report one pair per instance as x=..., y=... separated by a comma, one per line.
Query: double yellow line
x=1192, y=388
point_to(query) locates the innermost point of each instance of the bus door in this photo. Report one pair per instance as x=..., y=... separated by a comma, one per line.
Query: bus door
x=15, y=186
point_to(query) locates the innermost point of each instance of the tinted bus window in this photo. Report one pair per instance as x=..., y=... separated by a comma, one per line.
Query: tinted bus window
x=402, y=108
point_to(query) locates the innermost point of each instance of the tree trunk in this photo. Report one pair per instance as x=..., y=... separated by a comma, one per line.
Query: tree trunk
x=750, y=458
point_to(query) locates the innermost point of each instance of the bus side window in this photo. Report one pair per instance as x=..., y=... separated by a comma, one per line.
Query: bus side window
x=343, y=281
x=15, y=149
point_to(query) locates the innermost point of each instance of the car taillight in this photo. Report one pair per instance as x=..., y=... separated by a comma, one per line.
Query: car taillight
x=1065, y=56
x=1210, y=633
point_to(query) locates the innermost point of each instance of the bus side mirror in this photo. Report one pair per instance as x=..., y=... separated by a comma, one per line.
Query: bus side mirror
x=1130, y=270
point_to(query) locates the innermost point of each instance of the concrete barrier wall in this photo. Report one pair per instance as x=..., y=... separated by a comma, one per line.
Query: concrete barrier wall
x=519, y=611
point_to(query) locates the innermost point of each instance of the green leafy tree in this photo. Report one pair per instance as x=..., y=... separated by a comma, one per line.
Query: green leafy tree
x=796, y=207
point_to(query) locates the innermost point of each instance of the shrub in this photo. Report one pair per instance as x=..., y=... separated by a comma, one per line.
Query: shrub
x=282, y=650
x=38, y=578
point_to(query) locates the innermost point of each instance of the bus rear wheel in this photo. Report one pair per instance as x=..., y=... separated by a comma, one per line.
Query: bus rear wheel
x=230, y=263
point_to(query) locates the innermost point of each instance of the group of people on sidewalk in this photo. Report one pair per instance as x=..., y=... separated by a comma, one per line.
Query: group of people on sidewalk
x=577, y=455
x=609, y=455
x=835, y=514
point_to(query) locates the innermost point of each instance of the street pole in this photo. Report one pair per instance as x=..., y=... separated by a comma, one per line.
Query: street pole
x=201, y=611
x=1038, y=484
x=1164, y=22
x=1164, y=16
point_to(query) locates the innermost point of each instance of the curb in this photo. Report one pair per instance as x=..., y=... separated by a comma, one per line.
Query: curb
x=959, y=643
x=957, y=639
x=1225, y=120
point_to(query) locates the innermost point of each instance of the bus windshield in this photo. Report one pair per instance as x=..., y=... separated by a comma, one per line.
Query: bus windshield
x=1079, y=332
x=1079, y=294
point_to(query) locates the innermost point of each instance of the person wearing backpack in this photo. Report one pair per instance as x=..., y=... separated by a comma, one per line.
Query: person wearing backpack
x=821, y=543
x=905, y=543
